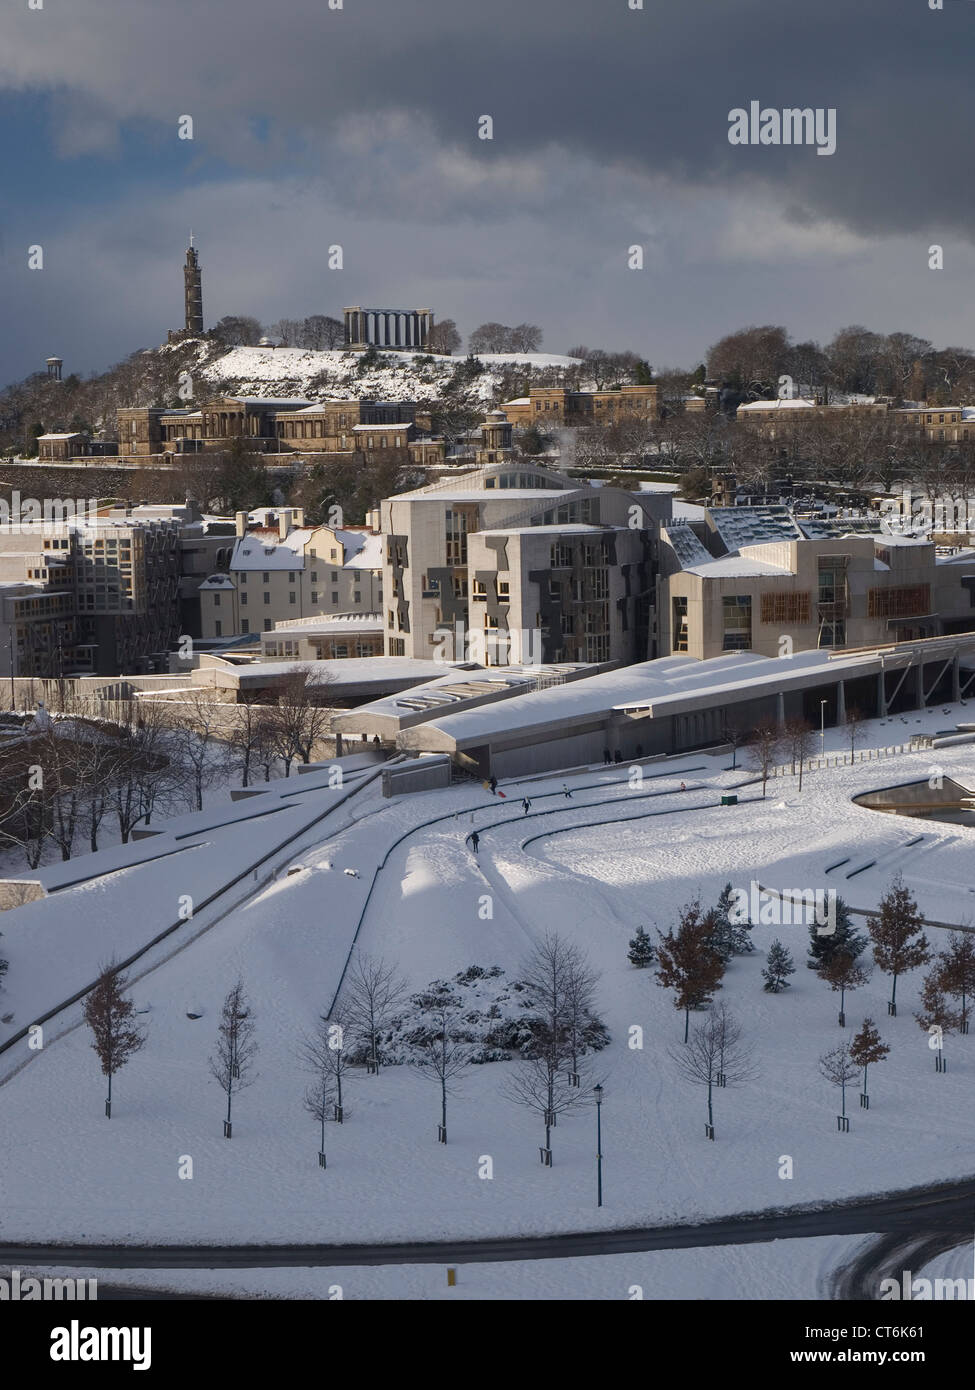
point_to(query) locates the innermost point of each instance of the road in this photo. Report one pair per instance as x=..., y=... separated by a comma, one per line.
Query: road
x=940, y=1217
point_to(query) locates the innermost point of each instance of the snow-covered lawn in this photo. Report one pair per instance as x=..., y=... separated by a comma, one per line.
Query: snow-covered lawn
x=68, y=1174
x=779, y=1269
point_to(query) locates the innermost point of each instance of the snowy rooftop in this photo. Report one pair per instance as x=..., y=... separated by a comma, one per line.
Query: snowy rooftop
x=341, y=623
x=687, y=546
x=756, y=407
x=738, y=526
x=735, y=567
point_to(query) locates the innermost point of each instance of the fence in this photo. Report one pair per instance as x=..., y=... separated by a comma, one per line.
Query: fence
x=866, y=755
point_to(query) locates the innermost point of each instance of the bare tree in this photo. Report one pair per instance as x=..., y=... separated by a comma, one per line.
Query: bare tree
x=764, y=747
x=537, y=1086
x=109, y=1015
x=957, y=968
x=300, y=720
x=323, y=1054
x=715, y=1056
x=442, y=1056
x=373, y=992
x=245, y=738
x=839, y=1068
x=233, y=1064
x=798, y=742
x=854, y=730
x=200, y=721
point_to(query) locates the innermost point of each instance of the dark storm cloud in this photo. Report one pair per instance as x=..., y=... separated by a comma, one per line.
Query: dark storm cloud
x=611, y=127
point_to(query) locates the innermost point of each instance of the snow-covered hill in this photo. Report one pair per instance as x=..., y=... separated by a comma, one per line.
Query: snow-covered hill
x=287, y=372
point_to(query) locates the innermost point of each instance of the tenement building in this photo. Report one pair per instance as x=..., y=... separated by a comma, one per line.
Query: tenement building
x=282, y=570
x=551, y=405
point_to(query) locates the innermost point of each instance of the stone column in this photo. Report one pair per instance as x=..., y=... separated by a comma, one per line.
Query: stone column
x=919, y=681
x=780, y=709
x=882, y=694
x=956, y=678
x=840, y=702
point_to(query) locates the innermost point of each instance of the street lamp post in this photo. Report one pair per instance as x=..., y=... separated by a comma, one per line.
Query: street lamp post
x=822, y=726
x=597, y=1091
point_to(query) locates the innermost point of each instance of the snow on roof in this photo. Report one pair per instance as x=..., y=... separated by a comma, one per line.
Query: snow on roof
x=218, y=581
x=74, y=434
x=796, y=403
x=390, y=425
x=669, y=678
x=518, y=400
x=322, y=627
x=687, y=546
x=735, y=567
x=739, y=526
x=257, y=552
x=363, y=550
x=353, y=670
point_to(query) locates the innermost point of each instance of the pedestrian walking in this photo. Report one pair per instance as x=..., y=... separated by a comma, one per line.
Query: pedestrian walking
x=565, y=788
x=606, y=756
x=527, y=805
x=493, y=784
x=475, y=840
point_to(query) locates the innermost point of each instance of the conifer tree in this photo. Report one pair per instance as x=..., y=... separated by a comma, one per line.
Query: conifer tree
x=845, y=940
x=778, y=965
x=899, y=943
x=641, y=952
x=738, y=932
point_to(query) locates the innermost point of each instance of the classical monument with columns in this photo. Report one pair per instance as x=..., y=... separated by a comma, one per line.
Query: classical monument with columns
x=389, y=328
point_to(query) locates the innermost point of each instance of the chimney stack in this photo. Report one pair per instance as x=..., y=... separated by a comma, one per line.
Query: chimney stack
x=240, y=523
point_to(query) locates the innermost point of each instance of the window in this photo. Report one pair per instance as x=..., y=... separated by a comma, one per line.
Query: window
x=314, y=576
x=737, y=622
x=456, y=524
x=267, y=577
x=335, y=578
x=785, y=608
x=679, y=624
x=218, y=629
x=480, y=588
x=314, y=595
x=243, y=600
x=292, y=597
x=267, y=596
x=216, y=600
x=267, y=624
x=291, y=577
x=335, y=596
x=397, y=646
x=357, y=597
x=245, y=626
x=391, y=618
x=504, y=588
x=561, y=557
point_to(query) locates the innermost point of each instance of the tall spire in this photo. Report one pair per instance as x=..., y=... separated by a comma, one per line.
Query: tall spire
x=193, y=285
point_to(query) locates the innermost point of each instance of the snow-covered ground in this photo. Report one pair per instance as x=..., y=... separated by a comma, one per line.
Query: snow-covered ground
x=257, y=371
x=68, y=1174
x=779, y=1269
